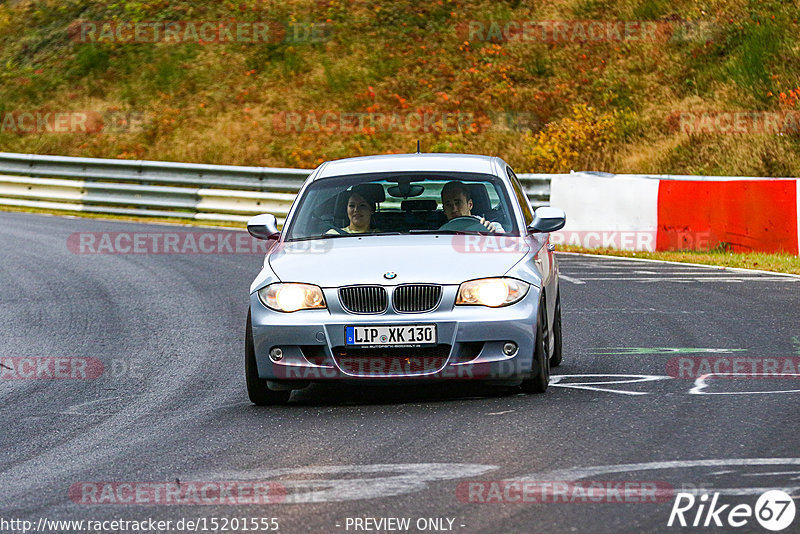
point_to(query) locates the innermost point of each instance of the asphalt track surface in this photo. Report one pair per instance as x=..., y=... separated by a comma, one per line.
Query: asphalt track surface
x=171, y=404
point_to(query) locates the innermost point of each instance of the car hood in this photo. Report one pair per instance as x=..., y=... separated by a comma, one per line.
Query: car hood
x=442, y=259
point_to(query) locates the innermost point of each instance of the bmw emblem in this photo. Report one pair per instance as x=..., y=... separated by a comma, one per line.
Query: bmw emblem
x=390, y=275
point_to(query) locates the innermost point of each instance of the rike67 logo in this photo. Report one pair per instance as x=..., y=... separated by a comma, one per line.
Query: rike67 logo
x=774, y=510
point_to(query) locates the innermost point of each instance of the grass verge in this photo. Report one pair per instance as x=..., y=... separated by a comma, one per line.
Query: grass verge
x=778, y=262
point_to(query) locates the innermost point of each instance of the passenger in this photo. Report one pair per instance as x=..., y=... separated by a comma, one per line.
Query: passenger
x=457, y=202
x=359, y=211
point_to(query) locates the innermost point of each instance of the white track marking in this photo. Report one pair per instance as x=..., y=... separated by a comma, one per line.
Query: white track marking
x=570, y=279
x=717, y=267
x=675, y=273
x=555, y=380
x=691, y=279
x=700, y=384
x=662, y=350
x=579, y=473
x=373, y=481
x=73, y=410
x=775, y=473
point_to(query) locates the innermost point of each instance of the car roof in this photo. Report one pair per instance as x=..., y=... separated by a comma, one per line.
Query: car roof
x=409, y=163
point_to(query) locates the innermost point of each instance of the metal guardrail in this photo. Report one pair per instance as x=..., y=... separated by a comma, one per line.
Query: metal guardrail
x=157, y=172
x=165, y=189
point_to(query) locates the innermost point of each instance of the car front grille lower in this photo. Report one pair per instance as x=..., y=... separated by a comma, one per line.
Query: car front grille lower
x=413, y=298
x=364, y=299
x=387, y=362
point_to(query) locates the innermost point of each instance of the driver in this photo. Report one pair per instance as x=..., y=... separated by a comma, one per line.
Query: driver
x=457, y=202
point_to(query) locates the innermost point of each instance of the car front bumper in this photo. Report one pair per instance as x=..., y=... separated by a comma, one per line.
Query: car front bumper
x=470, y=343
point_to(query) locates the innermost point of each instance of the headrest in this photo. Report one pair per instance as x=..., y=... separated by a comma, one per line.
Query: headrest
x=419, y=204
x=480, y=199
x=372, y=192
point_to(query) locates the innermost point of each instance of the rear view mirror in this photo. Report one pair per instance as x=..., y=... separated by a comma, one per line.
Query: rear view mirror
x=264, y=226
x=406, y=190
x=548, y=219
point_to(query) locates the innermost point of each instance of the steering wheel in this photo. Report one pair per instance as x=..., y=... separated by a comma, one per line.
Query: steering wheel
x=338, y=230
x=465, y=223
x=327, y=224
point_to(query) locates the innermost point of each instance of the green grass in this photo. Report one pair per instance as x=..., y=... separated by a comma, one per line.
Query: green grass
x=779, y=263
x=215, y=103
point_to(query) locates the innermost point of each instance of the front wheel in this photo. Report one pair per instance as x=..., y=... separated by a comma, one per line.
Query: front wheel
x=257, y=389
x=555, y=359
x=540, y=372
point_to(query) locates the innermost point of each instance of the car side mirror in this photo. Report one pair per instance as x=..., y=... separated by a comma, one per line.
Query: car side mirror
x=548, y=219
x=264, y=226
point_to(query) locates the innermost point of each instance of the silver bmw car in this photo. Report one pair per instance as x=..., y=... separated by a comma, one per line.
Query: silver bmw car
x=405, y=268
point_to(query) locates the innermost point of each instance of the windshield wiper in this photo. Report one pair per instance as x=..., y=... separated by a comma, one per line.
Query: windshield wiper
x=328, y=236
x=449, y=232
x=321, y=236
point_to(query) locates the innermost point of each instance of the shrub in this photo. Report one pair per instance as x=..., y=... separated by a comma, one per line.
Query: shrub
x=582, y=140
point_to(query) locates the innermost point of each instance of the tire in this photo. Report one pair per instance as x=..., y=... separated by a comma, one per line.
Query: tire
x=555, y=359
x=540, y=368
x=257, y=389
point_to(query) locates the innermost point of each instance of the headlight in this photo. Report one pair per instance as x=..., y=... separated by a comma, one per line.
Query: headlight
x=291, y=297
x=492, y=292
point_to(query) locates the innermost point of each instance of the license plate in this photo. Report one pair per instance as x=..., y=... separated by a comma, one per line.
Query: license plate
x=401, y=336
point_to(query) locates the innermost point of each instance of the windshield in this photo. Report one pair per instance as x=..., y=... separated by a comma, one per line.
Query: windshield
x=408, y=203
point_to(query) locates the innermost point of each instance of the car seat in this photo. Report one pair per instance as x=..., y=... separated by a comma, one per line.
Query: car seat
x=480, y=200
x=482, y=205
x=421, y=214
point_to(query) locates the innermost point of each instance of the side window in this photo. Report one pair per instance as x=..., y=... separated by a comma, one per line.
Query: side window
x=522, y=198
